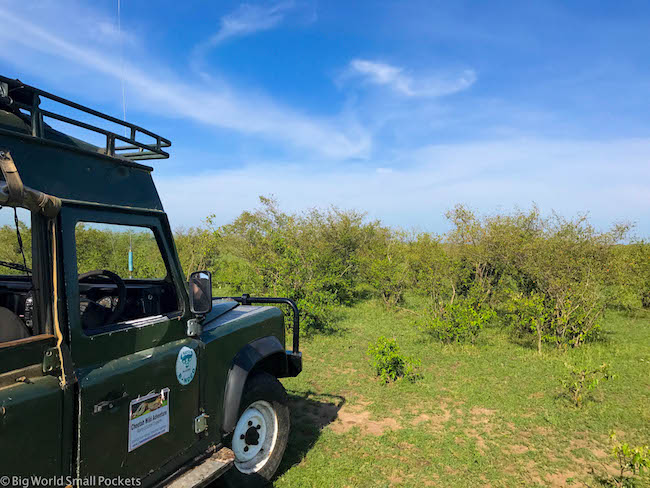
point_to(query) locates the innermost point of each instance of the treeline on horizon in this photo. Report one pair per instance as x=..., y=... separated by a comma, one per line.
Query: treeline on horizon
x=548, y=279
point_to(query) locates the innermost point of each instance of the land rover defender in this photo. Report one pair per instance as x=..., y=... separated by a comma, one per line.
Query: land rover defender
x=116, y=367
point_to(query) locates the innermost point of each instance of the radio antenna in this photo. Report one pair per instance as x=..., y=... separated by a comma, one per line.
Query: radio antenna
x=119, y=37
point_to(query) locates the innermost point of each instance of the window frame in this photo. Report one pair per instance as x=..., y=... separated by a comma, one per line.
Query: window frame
x=124, y=218
x=40, y=282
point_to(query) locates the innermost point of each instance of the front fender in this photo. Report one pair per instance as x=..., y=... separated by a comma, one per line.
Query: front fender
x=266, y=352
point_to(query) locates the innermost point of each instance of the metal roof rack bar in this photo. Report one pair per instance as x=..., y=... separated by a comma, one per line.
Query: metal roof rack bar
x=132, y=150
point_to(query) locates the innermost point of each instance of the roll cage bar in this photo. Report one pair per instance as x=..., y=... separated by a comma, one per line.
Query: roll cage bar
x=21, y=97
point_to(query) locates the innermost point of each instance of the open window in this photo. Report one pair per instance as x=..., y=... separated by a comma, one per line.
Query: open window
x=123, y=277
x=18, y=283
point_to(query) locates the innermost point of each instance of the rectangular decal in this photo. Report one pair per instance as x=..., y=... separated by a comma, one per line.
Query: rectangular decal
x=148, y=418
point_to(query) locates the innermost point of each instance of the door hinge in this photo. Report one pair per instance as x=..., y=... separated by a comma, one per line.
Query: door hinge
x=194, y=328
x=51, y=360
x=201, y=423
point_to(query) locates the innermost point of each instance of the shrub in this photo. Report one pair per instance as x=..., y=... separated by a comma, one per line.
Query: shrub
x=458, y=321
x=564, y=264
x=198, y=249
x=582, y=381
x=435, y=273
x=630, y=460
x=529, y=313
x=386, y=266
x=389, y=364
x=313, y=258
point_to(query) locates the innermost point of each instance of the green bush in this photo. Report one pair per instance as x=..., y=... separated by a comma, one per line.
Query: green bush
x=581, y=381
x=631, y=460
x=529, y=313
x=386, y=266
x=313, y=258
x=458, y=321
x=389, y=364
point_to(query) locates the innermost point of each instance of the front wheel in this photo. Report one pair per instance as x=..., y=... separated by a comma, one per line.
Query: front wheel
x=261, y=434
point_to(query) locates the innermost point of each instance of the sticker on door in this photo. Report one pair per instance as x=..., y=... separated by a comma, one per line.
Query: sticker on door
x=185, y=365
x=148, y=418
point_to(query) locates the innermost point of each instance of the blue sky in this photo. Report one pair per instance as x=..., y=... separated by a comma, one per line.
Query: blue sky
x=401, y=108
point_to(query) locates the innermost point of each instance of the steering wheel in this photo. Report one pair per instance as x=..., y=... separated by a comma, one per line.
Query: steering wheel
x=121, y=292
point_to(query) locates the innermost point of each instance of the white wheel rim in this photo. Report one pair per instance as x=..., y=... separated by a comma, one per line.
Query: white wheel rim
x=254, y=438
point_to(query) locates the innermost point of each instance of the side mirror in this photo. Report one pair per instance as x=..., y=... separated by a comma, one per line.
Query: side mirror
x=200, y=288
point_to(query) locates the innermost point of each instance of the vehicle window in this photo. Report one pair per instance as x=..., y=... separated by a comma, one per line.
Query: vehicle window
x=131, y=252
x=122, y=275
x=16, y=287
x=11, y=257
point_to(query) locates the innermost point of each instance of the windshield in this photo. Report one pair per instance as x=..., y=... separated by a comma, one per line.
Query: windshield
x=15, y=241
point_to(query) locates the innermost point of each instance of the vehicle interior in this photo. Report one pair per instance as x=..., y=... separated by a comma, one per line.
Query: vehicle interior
x=122, y=276
x=110, y=296
x=17, y=291
x=106, y=299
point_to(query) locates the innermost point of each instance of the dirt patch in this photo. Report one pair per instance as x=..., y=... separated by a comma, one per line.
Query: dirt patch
x=356, y=416
x=592, y=446
x=559, y=480
x=480, y=411
x=423, y=417
x=437, y=421
x=481, y=445
x=518, y=449
x=433, y=481
x=481, y=416
x=406, y=446
x=395, y=479
x=543, y=431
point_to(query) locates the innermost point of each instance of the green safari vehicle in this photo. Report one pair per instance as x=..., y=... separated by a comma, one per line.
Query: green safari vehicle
x=114, y=369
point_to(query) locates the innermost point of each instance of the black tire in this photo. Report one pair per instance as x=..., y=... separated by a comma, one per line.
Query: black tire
x=265, y=387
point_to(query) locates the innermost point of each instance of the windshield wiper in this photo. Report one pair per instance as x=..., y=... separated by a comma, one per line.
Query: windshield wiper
x=16, y=266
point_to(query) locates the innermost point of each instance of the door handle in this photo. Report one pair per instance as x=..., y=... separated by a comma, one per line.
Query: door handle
x=109, y=404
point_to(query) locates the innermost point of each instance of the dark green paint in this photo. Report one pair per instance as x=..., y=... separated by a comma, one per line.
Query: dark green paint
x=31, y=421
x=81, y=175
x=24, y=354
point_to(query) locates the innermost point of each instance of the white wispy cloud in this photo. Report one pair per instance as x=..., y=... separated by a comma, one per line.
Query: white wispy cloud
x=400, y=81
x=37, y=49
x=248, y=19
x=606, y=178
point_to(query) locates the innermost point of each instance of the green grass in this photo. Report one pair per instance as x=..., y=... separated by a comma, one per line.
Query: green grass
x=491, y=414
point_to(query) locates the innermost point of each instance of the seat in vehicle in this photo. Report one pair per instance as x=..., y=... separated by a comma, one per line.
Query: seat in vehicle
x=11, y=327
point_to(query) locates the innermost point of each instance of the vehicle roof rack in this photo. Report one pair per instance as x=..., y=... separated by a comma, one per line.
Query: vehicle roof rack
x=21, y=96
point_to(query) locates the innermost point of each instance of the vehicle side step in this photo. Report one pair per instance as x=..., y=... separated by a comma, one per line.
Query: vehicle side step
x=206, y=471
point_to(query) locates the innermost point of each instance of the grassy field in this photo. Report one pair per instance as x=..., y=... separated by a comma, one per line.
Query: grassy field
x=488, y=415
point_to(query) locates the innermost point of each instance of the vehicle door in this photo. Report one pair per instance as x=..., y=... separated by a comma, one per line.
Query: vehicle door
x=34, y=432
x=137, y=372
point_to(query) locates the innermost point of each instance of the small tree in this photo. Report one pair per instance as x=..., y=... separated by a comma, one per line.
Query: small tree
x=582, y=381
x=630, y=460
x=529, y=313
